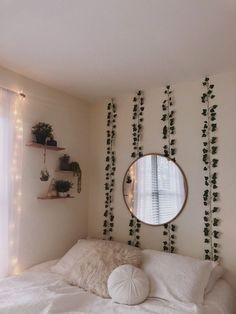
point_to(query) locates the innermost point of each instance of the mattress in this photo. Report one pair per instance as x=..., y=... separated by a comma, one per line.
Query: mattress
x=40, y=291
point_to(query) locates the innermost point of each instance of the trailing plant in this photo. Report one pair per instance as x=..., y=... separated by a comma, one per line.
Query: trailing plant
x=137, y=130
x=209, y=153
x=41, y=131
x=169, y=148
x=63, y=185
x=110, y=170
x=75, y=168
x=137, y=126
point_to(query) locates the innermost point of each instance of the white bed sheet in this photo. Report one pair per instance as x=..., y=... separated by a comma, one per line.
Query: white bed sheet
x=40, y=291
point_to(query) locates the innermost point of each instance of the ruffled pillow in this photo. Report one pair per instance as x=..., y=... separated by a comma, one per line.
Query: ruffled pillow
x=128, y=285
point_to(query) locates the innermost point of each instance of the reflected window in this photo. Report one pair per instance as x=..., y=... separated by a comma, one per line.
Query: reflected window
x=154, y=189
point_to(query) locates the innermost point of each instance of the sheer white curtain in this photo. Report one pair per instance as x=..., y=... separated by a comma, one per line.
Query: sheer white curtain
x=143, y=188
x=158, y=188
x=11, y=137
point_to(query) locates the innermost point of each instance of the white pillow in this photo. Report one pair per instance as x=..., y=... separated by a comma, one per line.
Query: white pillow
x=176, y=277
x=216, y=274
x=98, y=260
x=68, y=260
x=121, y=254
x=128, y=285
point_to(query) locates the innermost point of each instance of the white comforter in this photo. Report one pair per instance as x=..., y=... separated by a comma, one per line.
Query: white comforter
x=40, y=291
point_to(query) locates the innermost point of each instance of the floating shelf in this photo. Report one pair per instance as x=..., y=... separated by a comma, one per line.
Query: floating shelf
x=64, y=171
x=53, y=197
x=48, y=147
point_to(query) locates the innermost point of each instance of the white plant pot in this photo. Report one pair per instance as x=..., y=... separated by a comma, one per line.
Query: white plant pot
x=62, y=194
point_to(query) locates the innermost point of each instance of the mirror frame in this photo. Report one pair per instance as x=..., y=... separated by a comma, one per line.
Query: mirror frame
x=185, y=188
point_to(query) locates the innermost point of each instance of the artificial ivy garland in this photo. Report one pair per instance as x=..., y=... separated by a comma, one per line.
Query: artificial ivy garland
x=137, y=127
x=169, y=148
x=210, y=194
x=110, y=170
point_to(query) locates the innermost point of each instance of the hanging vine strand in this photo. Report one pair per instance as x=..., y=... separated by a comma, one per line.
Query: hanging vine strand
x=110, y=170
x=137, y=129
x=210, y=194
x=169, y=148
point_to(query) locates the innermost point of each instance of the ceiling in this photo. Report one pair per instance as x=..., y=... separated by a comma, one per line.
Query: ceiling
x=96, y=48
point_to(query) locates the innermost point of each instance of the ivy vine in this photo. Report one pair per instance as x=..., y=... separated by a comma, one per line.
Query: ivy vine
x=137, y=129
x=210, y=194
x=110, y=170
x=169, y=148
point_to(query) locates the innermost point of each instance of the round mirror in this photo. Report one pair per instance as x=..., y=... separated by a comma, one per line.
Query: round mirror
x=155, y=189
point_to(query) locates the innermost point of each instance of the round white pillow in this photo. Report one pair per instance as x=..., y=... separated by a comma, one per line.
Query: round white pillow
x=128, y=285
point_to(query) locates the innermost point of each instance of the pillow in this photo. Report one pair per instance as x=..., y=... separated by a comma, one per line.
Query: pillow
x=98, y=260
x=176, y=277
x=128, y=285
x=69, y=259
x=216, y=274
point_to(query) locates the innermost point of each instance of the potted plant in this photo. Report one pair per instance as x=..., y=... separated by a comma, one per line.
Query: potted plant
x=51, y=141
x=42, y=131
x=65, y=163
x=75, y=168
x=62, y=187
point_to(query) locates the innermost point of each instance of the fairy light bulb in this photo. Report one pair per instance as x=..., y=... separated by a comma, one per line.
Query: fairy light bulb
x=16, y=270
x=14, y=261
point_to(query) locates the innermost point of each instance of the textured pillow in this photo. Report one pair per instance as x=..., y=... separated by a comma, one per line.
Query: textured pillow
x=176, y=277
x=128, y=285
x=99, y=259
x=216, y=274
x=65, y=264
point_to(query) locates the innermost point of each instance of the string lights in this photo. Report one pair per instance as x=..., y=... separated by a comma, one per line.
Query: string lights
x=16, y=125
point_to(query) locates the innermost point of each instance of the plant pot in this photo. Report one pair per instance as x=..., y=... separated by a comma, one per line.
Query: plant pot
x=40, y=139
x=65, y=166
x=62, y=194
x=51, y=143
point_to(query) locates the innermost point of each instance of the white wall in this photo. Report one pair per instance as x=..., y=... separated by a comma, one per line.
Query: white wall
x=49, y=228
x=189, y=146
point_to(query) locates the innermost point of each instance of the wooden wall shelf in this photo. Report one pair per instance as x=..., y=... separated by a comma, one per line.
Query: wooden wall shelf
x=64, y=171
x=36, y=145
x=53, y=197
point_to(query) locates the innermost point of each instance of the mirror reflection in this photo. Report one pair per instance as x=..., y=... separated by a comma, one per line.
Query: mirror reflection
x=154, y=189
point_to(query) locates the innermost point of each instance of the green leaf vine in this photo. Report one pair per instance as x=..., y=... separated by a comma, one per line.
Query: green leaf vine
x=168, y=118
x=137, y=129
x=209, y=153
x=110, y=170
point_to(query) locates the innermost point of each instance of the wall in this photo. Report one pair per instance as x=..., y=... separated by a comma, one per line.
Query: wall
x=49, y=228
x=189, y=146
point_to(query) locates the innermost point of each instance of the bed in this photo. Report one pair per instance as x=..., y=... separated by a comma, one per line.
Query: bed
x=39, y=290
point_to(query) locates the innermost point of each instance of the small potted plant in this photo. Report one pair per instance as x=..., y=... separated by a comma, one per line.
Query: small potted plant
x=62, y=187
x=65, y=163
x=42, y=131
x=51, y=141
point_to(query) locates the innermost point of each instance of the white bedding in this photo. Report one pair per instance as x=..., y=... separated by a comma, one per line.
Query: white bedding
x=40, y=291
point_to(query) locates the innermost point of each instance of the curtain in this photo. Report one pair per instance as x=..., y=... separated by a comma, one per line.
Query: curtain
x=143, y=188
x=158, y=188
x=11, y=137
x=171, y=189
